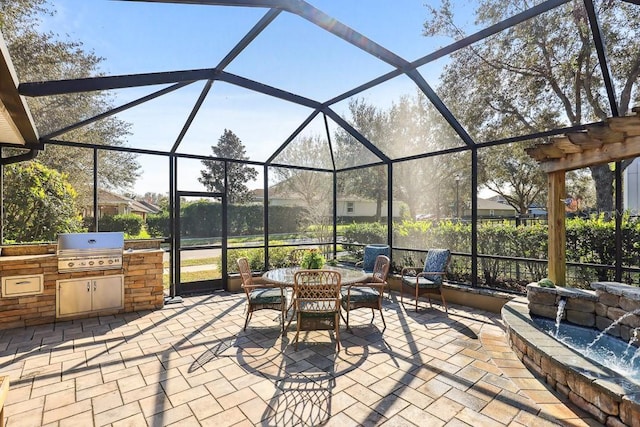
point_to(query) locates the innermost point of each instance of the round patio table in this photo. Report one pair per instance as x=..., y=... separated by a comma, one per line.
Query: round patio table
x=284, y=276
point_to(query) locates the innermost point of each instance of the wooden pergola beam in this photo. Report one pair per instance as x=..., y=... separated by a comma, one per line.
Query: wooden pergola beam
x=607, y=153
x=616, y=139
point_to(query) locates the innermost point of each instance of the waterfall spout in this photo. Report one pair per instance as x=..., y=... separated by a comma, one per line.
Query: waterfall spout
x=561, y=304
x=611, y=326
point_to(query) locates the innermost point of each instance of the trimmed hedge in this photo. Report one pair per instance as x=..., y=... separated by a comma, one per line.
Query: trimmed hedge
x=204, y=219
x=278, y=257
x=590, y=240
x=158, y=224
x=130, y=224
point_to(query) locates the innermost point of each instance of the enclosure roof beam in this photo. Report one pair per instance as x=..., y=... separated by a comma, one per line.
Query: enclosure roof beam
x=357, y=167
x=267, y=90
x=462, y=43
x=59, y=87
x=116, y=110
x=598, y=41
x=279, y=4
x=357, y=135
x=441, y=107
x=237, y=49
x=337, y=28
x=148, y=151
x=304, y=168
x=90, y=84
x=311, y=14
x=292, y=136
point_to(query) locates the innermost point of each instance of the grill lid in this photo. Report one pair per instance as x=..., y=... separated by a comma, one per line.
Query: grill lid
x=90, y=251
x=74, y=244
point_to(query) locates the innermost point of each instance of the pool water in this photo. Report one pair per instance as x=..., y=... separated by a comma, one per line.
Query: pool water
x=608, y=351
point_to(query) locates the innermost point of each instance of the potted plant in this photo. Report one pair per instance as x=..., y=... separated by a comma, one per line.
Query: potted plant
x=313, y=259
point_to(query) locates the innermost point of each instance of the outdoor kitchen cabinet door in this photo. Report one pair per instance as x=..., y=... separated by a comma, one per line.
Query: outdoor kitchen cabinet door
x=108, y=292
x=74, y=296
x=77, y=296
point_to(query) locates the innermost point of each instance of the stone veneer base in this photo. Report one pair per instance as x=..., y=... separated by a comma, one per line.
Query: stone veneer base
x=603, y=393
x=142, y=269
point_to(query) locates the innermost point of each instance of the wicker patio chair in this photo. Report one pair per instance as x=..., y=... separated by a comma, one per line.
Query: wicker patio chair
x=295, y=257
x=428, y=281
x=369, y=294
x=316, y=302
x=261, y=296
x=371, y=253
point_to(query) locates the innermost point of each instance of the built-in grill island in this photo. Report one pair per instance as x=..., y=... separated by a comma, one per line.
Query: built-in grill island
x=81, y=275
x=93, y=252
x=90, y=251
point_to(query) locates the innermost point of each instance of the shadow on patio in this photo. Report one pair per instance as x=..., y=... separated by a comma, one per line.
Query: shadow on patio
x=192, y=364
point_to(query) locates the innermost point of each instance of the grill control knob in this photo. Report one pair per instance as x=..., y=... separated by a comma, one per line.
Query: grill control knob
x=90, y=262
x=71, y=264
x=101, y=262
x=110, y=261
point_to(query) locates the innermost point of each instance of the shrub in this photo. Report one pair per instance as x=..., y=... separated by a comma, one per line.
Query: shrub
x=255, y=256
x=128, y=223
x=363, y=234
x=589, y=240
x=158, y=224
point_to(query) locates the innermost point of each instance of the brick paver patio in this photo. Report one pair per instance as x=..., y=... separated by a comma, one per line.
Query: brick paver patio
x=191, y=364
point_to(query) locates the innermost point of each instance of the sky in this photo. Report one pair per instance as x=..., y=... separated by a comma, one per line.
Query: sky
x=291, y=54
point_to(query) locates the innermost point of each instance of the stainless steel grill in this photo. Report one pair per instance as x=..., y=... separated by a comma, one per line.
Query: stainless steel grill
x=90, y=251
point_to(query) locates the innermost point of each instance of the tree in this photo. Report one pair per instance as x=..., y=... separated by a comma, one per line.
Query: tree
x=580, y=184
x=39, y=56
x=371, y=182
x=39, y=203
x=415, y=127
x=541, y=74
x=511, y=173
x=313, y=188
x=160, y=200
x=238, y=174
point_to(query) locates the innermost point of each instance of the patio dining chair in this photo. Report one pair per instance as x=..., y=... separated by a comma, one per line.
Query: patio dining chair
x=295, y=257
x=316, y=302
x=370, y=256
x=428, y=281
x=261, y=296
x=369, y=294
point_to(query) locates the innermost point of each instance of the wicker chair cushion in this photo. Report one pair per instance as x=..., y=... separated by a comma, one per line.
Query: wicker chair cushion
x=371, y=252
x=265, y=296
x=360, y=294
x=436, y=262
x=423, y=283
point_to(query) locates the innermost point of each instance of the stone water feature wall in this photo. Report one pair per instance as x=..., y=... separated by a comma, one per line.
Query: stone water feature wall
x=600, y=308
x=609, y=397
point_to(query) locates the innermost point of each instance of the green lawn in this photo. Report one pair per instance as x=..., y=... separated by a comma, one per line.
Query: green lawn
x=196, y=261
x=192, y=276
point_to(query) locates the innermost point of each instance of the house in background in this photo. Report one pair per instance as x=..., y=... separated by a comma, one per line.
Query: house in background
x=488, y=208
x=347, y=206
x=631, y=188
x=110, y=204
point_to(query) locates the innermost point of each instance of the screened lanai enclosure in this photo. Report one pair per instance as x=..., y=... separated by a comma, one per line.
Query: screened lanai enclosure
x=253, y=127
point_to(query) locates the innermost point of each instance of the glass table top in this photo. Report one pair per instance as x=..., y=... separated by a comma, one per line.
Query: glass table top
x=284, y=276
